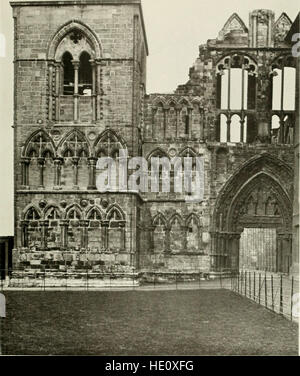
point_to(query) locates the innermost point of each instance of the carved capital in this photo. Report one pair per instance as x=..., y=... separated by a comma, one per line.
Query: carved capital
x=84, y=223
x=44, y=223
x=92, y=161
x=64, y=223
x=25, y=161
x=41, y=161
x=105, y=224
x=75, y=160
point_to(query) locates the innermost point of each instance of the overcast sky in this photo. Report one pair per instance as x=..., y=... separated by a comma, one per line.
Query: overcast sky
x=175, y=29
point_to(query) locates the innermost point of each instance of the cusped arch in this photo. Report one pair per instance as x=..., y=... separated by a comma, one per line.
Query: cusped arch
x=159, y=219
x=157, y=153
x=184, y=102
x=159, y=102
x=252, y=64
x=68, y=28
x=39, y=138
x=108, y=143
x=92, y=211
x=172, y=103
x=67, y=139
x=115, y=213
x=111, y=136
x=197, y=102
x=193, y=218
x=48, y=211
x=262, y=179
x=73, y=208
x=31, y=212
x=266, y=164
x=188, y=151
x=283, y=60
x=175, y=218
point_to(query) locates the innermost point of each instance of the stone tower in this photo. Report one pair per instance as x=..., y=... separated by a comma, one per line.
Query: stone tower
x=80, y=94
x=79, y=86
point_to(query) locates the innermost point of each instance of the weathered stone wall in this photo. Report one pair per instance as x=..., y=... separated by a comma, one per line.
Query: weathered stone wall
x=55, y=156
x=165, y=135
x=90, y=238
x=62, y=222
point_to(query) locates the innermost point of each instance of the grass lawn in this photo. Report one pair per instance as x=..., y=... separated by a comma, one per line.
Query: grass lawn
x=204, y=322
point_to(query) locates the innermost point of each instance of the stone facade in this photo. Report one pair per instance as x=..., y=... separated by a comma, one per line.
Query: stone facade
x=65, y=119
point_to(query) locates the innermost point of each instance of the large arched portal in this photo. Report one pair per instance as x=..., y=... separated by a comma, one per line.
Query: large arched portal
x=252, y=218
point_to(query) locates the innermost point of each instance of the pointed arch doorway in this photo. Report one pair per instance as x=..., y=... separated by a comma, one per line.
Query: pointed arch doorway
x=253, y=222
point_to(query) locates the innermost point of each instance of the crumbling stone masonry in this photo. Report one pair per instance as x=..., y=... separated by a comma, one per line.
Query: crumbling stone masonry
x=80, y=94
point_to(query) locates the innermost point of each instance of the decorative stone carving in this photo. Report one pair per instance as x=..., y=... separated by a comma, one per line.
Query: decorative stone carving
x=281, y=28
x=63, y=204
x=42, y=204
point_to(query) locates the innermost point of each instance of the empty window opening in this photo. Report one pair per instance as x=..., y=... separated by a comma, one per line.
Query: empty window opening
x=187, y=124
x=289, y=89
x=85, y=75
x=235, y=129
x=238, y=83
x=69, y=75
x=275, y=127
x=284, y=89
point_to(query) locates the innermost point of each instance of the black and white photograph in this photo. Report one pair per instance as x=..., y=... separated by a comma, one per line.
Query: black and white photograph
x=149, y=202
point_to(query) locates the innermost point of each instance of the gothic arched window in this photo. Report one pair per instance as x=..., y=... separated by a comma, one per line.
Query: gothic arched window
x=236, y=92
x=74, y=75
x=85, y=75
x=69, y=76
x=283, y=84
x=282, y=103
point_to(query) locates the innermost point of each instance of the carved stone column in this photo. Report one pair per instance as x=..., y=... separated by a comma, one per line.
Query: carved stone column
x=44, y=226
x=150, y=231
x=122, y=226
x=50, y=109
x=165, y=110
x=104, y=227
x=98, y=90
x=84, y=233
x=41, y=164
x=185, y=230
x=167, y=240
x=242, y=122
x=228, y=122
x=94, y=91
x=24, y=230
x=64, y=224
x=57, y=166
x=75, y=161
x=154, y=131
x=178, y=110
x=190, y=114
x=25, y=172
x=213, y=251
x=76, y=95
x=58, y=68
x=92, y=173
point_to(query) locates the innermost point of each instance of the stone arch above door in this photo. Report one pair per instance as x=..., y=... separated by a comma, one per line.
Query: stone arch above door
x=259, y=195
x=264, y=172
x=262, y=202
